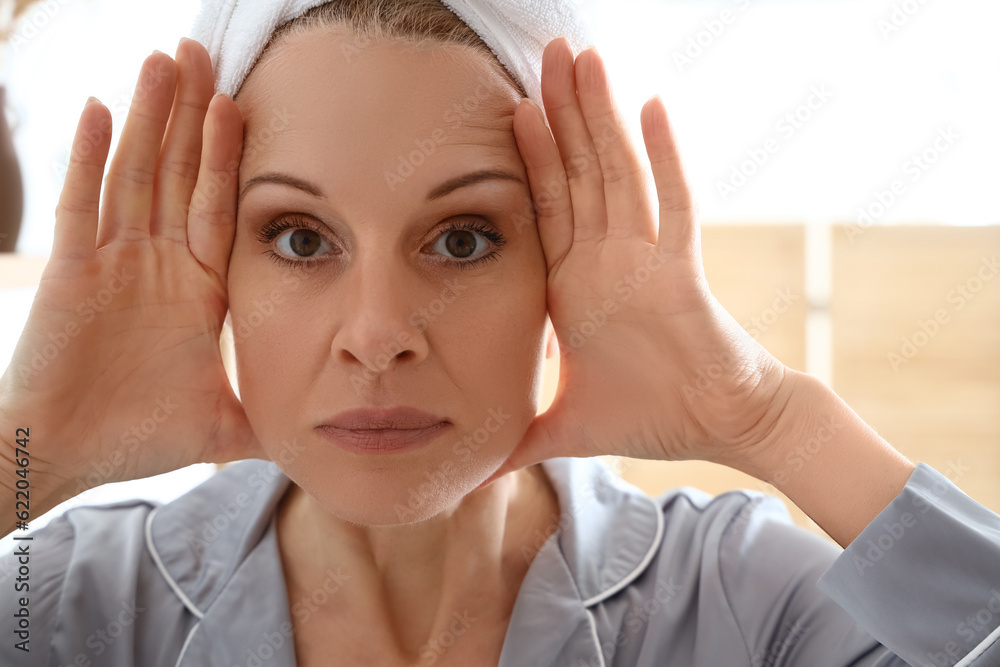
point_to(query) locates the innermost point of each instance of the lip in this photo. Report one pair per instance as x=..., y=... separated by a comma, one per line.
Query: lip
x=400, y=418
x=382, y=430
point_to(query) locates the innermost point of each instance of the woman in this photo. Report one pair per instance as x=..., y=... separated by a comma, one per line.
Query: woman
x=401, y=503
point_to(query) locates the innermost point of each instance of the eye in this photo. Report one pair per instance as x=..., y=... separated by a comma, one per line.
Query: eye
x=300, y=242
x=295, y=240
x=464, y=239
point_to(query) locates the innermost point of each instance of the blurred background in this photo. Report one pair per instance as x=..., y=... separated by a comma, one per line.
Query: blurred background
x=843, y=156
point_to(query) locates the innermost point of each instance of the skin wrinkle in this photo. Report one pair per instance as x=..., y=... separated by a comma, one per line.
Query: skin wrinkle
x=461, y=550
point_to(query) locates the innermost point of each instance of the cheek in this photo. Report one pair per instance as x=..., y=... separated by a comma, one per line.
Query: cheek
x=269, y=345
x=268, y=389
x=495, y=353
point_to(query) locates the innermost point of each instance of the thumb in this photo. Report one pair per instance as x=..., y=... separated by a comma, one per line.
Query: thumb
x=540, y=442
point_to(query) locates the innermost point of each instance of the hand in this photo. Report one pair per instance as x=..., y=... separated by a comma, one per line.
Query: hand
x=118, y=373
x=651, y=365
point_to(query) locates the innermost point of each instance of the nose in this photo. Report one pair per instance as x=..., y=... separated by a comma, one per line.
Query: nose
x=377, y=329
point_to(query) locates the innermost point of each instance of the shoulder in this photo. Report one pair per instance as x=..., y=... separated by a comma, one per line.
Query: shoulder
x=738, y=564
x=714, y=516
x=735, y=524
x=81, y=532
x=98, y=531
x=76, y=561
x=93, y=561
x=743, y=544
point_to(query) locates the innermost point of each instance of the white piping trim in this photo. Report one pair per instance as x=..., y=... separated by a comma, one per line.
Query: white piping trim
x=163, y=570
x=187, y=641
x=980, y=649
x=593, y=633
x=627, y=579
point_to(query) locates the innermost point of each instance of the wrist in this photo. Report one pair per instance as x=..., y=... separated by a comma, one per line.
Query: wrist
x=806, y=422
x=25, y=493
x=8, y=485
x=788, y=419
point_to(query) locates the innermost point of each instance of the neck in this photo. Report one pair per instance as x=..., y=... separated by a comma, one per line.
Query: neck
x=465, y=563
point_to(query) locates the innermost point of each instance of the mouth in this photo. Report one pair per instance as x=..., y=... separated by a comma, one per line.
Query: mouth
x=382, y=430
x=382, y=440
x=401, y=418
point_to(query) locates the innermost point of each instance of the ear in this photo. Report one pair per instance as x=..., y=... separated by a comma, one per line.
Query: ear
x=551, y=344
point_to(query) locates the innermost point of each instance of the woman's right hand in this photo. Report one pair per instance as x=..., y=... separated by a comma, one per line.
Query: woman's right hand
x=118, y=373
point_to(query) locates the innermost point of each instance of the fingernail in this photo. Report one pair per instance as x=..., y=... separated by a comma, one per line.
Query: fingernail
x=90, y=100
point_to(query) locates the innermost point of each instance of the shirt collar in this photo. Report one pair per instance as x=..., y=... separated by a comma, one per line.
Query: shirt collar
x=215, y=544
x=608, y=533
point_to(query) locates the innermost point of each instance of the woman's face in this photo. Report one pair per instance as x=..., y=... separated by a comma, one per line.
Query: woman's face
x=355, y=281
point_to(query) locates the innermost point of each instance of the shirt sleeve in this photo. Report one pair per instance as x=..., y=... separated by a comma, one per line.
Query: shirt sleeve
x=924, y=576
x=920, y=586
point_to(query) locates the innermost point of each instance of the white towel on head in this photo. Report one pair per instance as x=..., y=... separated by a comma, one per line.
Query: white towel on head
x=517, y=31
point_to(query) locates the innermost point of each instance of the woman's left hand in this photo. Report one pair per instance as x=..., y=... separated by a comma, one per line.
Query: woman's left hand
x=651, y=365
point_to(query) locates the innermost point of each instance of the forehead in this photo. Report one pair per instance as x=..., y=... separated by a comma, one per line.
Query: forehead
x=359, y=110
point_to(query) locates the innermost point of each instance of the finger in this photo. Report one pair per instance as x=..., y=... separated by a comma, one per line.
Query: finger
x=181, y=153
x=678, y=232
x=79, y=202
x=586, y=184
x=212, y=217
x=235, y=439
x=128, y=190
x=624, y=176
x=547, y=181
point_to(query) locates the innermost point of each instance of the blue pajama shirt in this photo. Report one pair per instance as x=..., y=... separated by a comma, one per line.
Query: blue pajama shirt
x=685, y=579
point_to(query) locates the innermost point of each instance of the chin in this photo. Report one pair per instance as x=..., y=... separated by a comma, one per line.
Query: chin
x=387, y=493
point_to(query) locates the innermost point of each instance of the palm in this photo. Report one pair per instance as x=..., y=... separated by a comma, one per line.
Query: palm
x=147, y=364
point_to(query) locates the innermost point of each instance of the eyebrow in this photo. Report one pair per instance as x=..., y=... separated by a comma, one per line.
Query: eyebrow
x=282, y=179
x=473, y=178
x=439, y=192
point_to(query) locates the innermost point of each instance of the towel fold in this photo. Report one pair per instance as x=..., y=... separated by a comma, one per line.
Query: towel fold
x=517, y=31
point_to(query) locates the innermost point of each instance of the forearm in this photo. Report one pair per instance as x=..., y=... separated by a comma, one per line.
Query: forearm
x=828, y=461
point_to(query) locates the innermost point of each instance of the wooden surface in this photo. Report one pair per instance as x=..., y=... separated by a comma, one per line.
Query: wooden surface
x=939, y=400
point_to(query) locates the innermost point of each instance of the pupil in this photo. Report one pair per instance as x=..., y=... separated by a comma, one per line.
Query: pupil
x=465, y=244
x=303, y=242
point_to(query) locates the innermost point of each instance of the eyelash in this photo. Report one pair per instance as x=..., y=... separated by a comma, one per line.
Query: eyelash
x=270, y=231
